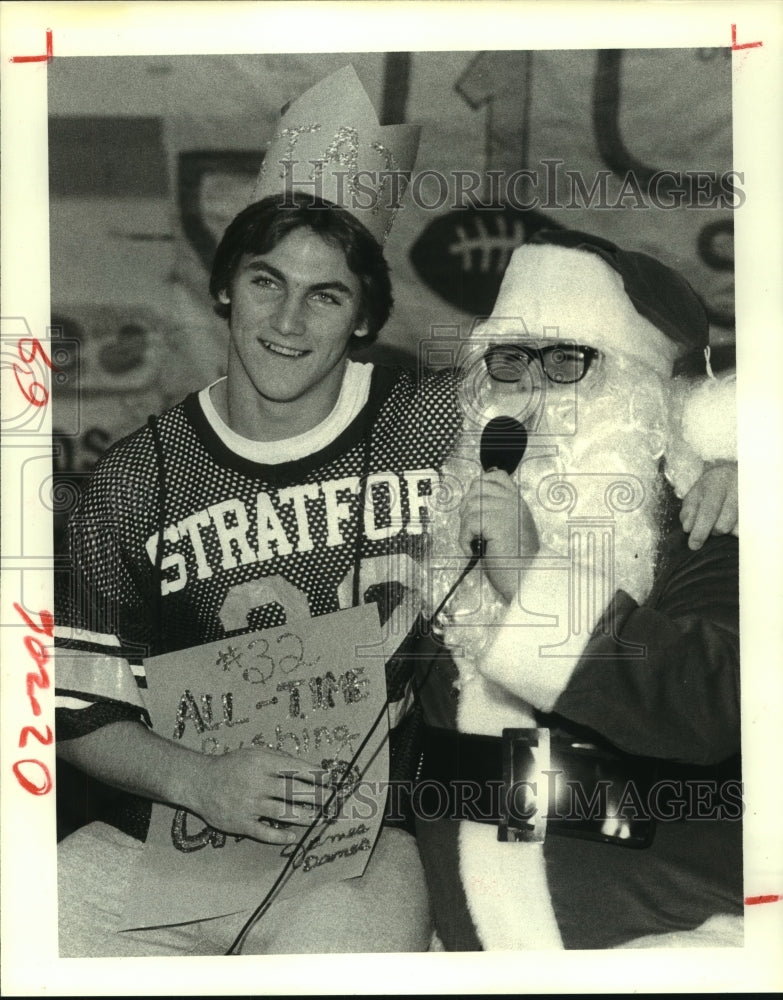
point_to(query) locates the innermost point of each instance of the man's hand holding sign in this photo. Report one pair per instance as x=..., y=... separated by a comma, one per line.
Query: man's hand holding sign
x=276, y=757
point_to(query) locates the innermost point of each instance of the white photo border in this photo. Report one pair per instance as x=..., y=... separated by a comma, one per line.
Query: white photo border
x=30, y=966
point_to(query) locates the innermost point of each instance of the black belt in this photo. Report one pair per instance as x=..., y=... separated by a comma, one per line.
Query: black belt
x=531, y=782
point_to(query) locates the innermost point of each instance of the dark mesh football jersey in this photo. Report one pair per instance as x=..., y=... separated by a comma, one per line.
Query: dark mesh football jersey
x=245, y=545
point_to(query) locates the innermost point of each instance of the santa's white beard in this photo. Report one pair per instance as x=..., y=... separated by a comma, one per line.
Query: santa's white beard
x=589, y=478
x=605, y=476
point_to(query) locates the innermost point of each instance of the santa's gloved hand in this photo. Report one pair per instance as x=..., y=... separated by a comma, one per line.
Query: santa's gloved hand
x=711, y=505
x=494, y=510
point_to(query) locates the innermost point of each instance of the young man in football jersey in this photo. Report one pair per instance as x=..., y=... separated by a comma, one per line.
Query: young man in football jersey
x=295, y=486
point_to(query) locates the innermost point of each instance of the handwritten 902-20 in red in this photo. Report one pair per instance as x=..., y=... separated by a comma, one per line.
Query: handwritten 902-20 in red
x=30, y=768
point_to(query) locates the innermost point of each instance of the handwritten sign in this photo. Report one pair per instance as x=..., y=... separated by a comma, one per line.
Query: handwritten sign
x=300, y=689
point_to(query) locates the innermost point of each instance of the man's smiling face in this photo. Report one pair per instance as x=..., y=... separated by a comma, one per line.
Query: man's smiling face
x=293, y=311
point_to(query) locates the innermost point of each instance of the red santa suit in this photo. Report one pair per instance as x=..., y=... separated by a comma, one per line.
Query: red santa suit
x=622, y=642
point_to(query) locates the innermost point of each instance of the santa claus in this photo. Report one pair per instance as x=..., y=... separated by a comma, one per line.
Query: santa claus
x=579, y=782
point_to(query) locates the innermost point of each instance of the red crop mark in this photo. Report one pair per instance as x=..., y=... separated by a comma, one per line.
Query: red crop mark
x=746, y=45
x=47, y=57
x=753, y=900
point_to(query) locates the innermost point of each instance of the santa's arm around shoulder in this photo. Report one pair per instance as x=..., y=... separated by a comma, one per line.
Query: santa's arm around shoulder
x=658, y=678
x=701, y=460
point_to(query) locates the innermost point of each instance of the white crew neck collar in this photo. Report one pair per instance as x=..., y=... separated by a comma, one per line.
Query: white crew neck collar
x=354, y=393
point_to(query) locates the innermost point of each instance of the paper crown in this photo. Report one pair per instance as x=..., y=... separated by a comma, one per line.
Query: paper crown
x=330, y=144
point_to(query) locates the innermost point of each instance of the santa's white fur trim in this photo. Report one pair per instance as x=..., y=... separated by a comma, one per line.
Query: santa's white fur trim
x=535, y=650
x=709, y=419
x=505, y=884
x=704, y=415
x=507, y=891
x=556, y=292
x=487, y=708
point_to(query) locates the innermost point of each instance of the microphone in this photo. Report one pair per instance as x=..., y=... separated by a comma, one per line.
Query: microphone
x=503, y=444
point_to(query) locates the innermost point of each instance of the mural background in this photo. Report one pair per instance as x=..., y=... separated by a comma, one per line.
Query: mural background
x=150, y=157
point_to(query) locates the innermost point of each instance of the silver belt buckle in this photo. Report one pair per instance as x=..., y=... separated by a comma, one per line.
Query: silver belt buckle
x=525, y=793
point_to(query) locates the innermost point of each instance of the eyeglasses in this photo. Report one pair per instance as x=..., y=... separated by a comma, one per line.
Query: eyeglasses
x=561, y=363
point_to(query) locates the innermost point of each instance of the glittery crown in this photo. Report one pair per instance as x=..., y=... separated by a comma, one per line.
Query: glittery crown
x=329, y=144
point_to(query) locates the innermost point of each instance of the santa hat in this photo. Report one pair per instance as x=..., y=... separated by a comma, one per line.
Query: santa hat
x=657, y=292
x=704, y=410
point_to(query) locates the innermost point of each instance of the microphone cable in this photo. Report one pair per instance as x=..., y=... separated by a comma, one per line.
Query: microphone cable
x=239, y=941
x=503, y=443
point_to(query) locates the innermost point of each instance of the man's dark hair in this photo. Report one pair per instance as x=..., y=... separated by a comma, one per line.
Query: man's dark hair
x=261, y=226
